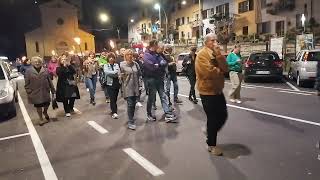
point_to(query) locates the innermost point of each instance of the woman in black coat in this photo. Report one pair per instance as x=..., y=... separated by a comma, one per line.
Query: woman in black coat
x=67, y=89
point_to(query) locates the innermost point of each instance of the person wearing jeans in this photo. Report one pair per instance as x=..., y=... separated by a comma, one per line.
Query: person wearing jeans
x=111, y=70
x=171, y=75
x=67, y=90
x=154, y=68
x=130, y=75
x=210, y=68
x=91, y=70
x=236, y=77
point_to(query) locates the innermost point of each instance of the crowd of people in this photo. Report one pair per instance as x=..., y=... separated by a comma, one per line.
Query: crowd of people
x=131, y=74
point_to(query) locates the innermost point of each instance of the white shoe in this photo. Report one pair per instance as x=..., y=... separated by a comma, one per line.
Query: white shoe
x=233, y=100
x=115, y=116
x=238, y=101
x=68, y=114
x=139, y=104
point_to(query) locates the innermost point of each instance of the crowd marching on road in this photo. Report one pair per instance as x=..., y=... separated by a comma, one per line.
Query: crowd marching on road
x=132, y=74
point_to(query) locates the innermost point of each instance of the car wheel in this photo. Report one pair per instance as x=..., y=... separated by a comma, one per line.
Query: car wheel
x=299, y=82
x=16, y=99
x=13, y=111
x=246, y=79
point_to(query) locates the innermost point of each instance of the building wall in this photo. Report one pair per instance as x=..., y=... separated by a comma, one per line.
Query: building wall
x=52, y=36
x=135, y=30
x=189, y=10
x=245, y=19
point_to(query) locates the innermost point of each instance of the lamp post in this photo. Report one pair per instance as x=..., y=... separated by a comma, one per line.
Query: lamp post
x=200, y=19
x=158, y=7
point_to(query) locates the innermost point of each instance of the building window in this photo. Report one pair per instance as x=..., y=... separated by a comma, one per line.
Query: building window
x=212, y=11
x=188, y=35
x=188, y=20
x=245, y=30
x=204, y=14
x=298, y=21
x=263, y=4
x=197, y=17
x=85, y=46
x=223, y=10
x=182, y=20
x=182, y=34
x=245, y=6
x=179, y=6
x=178, y=22
x=264, y=27
x=37, y=47
x=195, y=1
x=280, y=28
x=60, y=21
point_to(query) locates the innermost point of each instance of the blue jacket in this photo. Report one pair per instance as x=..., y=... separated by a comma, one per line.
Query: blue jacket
x=150, y=59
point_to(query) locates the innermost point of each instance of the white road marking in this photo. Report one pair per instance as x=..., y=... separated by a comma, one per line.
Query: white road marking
x=152, y=169
x=292, y=86
x=97, y=127
x=267, y=113
x=296, y=93
x=15, y=136
x=45, y=164
x=266, y=87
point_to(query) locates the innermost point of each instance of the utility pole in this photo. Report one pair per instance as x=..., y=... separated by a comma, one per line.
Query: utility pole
x=200, y=19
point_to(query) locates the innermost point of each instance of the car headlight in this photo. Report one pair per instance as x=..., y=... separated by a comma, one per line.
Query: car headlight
x=4, y=92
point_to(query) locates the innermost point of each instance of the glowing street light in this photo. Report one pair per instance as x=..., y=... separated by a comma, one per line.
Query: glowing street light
x=303, y=21
x=112, y=45
x=157, y=6
x=132, y=20
x=53, y=52
x=184, y=2
x=77, y=40
x=104, y=17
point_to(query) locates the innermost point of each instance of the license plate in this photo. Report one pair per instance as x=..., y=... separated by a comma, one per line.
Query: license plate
x=263, y=72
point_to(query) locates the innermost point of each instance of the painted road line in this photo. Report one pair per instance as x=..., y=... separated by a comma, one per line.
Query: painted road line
x=292, y=86
x=267, y=87
x=97, y=127
x=296, y=93
x=152, y=169
x=45, y=164
x=268, y=113
x=15, y=136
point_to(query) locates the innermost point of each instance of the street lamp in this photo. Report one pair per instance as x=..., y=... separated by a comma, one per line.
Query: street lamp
x=184, y=2
x=303, y=20
x=132, y=20
x=158, y=7
x=104, y=17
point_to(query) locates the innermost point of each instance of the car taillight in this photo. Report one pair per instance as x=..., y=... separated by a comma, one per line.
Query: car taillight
x=278, y=63
x=248, y=63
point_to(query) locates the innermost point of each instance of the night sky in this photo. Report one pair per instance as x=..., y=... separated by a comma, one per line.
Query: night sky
x=20, y=16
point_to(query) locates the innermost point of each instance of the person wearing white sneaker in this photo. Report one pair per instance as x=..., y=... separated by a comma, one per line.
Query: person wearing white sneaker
x=139, y=104
x=111, y=71
x=235, y=67
x=115, y=116
x=68, y=115
x=238, y=101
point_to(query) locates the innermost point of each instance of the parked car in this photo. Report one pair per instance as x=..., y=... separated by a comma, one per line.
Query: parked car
x=304, y=67
x=181, y=56
x=8, y=89
x=265, y=64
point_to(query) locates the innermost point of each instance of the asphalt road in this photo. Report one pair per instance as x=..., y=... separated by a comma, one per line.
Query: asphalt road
x=272, y=135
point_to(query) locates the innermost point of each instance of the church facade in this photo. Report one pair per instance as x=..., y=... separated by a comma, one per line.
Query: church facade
x=59, y=27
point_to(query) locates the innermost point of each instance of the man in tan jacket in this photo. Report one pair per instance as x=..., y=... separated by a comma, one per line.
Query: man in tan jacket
x=210, y=69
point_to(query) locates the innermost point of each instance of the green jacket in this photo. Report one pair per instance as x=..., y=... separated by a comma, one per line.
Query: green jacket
x=102, y=61
x=233, y=63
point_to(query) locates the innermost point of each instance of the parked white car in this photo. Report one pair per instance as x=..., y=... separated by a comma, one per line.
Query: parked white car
x=304, y=67
x=181, y=56
x=8, y=89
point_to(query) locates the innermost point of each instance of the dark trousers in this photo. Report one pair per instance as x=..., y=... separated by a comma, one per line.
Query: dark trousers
x=131, y=108
x=113, y=94
x=192, y=80
x=68, y=105
x=216, y=110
